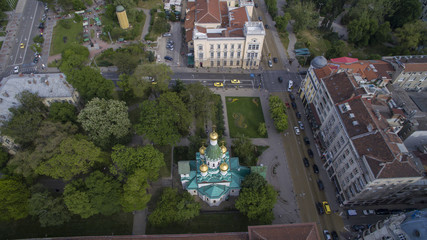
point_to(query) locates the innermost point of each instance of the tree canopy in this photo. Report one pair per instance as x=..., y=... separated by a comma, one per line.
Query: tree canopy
x=174, y=207
x=146, y=74
x=126, y=160
x=49, y=210
x=199, y=100
x=243, y=147
x=13, y=200
x=304, y=14
x=90, y=83
x=63, y=112
x=278, y=113
x=135, y=196
x=256, y=199
x=76, y=156
x=164, y=120
x=105, y=121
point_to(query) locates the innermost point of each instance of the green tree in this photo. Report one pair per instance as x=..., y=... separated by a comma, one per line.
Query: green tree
x=304, y=14
x=361, y=30
x=242, y=146
x=97, y=193
x=282, y=22
x=4, y=157
x=135, y=196
x=46, y=145
x=127, y=159
x=90, y=83
x=76, y=156
x=62, y=112
x=406, y=11
x=126, y=93
x=337, y=50
x=256, y=199
x=262, y=129
x=13, y=199
x=410, y=36
x=74, y=56
x=272, y=7
x=174, y=207
x=278, y=113
x=200, y=101
x=106, y=121
x=125, y=62
x=146, y=74
x=38, y=39
x=165, y=120
x=49, y=210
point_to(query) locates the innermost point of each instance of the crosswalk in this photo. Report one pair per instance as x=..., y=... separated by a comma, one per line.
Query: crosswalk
x=22, y=69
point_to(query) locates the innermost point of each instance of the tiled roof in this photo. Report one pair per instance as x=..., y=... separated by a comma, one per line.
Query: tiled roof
x=357, y=119
x=373, y=145
x=189, y=19
x=366, y=69
x=339, y=87
x=214, y=191
x=301, y=231
x=375, y=165
x=415, y=67
x=344, y=60
x=398, y=169
x=189, y=35
x=323, y=72
x=238, y=17
x=208, y=11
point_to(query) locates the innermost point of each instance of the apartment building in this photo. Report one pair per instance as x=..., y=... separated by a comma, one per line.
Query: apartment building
x=410, y=72
x=362, y=153
x=222, y=34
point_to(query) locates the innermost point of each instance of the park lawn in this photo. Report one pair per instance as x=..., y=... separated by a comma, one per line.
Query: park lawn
x=150, y=4
x=244, y=116
x=98, y=225
x=205, y=223
x=316, y=43
x=74, y=35
x=167, y=152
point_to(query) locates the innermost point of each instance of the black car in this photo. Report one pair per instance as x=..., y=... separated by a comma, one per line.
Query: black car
x=260, y=18
x=280, y=79
x=358, y=228
x=256, y=5
x=310, y=153
x=334, y=235
x=36, y=60
x=320, y=208
x=298, y=115
x=306, y=163
x=306, y=141
x=292, y=97
x=41, y=26
x=168, y=58
x=294, y=105
x=275, y=60
x=267, y=27
x=382, y=212
x=315, y=168
x=396, y=211
x=320, y=185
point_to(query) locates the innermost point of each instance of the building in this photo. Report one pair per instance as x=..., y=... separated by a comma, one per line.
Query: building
x=410, y=72
x=50, y=87
x=123, y=18
x=405, y=226
x=223, y=35
x=170, y=5
x=362, y=153
x=214, y=175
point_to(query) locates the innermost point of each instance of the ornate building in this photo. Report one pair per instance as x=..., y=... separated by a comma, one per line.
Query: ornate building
x=213, y=176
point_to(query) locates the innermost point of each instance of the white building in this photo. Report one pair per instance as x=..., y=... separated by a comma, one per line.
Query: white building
x=410, y=71
x=223, y=35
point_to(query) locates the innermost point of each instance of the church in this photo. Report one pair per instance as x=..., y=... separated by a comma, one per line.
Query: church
x=213, y=176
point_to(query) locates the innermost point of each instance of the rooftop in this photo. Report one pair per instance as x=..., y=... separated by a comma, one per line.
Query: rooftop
x=339, y=87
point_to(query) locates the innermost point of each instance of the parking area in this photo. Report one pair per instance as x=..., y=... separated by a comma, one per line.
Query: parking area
x=170, y=46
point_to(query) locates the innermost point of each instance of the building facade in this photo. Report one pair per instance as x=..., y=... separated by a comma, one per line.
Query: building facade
x=410, y=72
x=223, y=35
x=123, y=18
x=214, y=175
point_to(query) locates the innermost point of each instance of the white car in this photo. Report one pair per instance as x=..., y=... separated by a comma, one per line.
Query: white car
x=291, y=84
x=368, y=212
x=327, y=235
x=297, y=131
x=301, y=125
x=167, y=34
x=270, y=63
x=16, y=69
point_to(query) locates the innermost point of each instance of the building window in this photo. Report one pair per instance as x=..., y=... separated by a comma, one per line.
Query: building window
x=238, y=54
x=200, y=55
x=200, y=47
x=247, y=63
x=194, y=191
x=225, y=46
x=249, y=55
x=225, y=54
x=218, y=46
x=212, y=63
x=225, y=63
x=239, y=46
x=214, y=201
x=232, y=46
x=218, y=63
x=231, y=63
x=238, y=62
x=212, y=46
x=212, y=54
x=257, y=47
x=231, y=54
x=218, y=54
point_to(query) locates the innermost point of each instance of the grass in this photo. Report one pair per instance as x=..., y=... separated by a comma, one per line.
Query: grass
x=284, y=38
x=314, y=41
x=244, y=116
x=99, y=225
x=205, y=223
x=166, y=150
x=149, y=4
x=74, y=34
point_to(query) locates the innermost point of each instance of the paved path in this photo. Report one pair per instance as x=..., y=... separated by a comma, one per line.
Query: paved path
x=146, y=24
x=139, y=222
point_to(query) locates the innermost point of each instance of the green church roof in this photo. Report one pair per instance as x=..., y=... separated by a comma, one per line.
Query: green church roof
x=120, y=8
x=214, y=191
x=213, y=152
x=261, y=170
x=184, y=167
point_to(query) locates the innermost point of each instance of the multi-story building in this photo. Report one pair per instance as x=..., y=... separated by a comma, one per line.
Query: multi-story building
x=362, y=154
x=50, y=87
x=404, y=226
x=410, y=72
x=223, y=35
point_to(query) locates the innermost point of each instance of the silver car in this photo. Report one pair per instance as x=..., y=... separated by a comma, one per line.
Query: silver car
x=297, y=131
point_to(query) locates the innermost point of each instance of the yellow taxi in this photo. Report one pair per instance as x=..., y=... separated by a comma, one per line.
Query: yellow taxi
x=326, y=207
x=235, y=81
x=218, y=84
x=22, y=45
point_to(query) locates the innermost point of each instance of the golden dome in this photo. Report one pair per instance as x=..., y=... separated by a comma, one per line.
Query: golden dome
x=213, y=136
x=202, y=150
x=204, y=168
x=223, y=149
x=223, y=166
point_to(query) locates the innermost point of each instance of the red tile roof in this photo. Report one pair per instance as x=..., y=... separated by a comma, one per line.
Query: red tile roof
x=398, y=169
x=344, y=60
x=415, y=67
x=208, y=11
x=339, y=87
x=323, y=72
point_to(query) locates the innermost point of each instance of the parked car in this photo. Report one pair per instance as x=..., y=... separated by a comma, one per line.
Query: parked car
x=301, y=125
x=266, y=26
x=235, y=81
x=294, y=105
x=315, y=168
x=291, y=84
x=22, y=45
x=292, y=97
x=297, y=132
x=167, y=34
x=275, y=60
x=16, y=69
x=36, y=60
x=396, y=211
x=326, y=207
x=256, y=5
x=306, y=163
x=320, y=185
x=368, y=212
x=382, y=211
x=358, y=228
x=218, y=84
x=320, y=208
x=334, y=235
x=306, y=141
x=351, y=212
x=260, y=18
x=168, y=58
x=327, y=235
x=270, y=64
x=310, y=153
x=280, y=79
x=298, y=114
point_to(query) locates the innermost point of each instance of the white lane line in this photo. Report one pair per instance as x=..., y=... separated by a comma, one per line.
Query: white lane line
x=29, y=33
